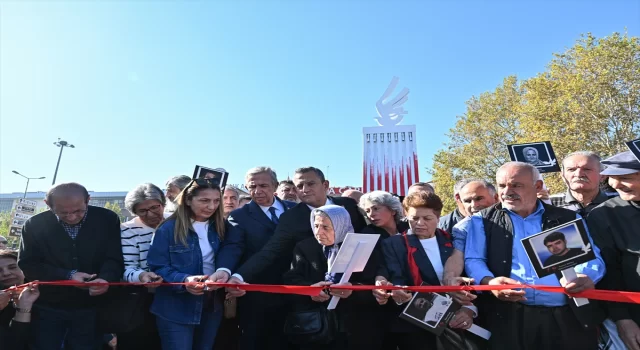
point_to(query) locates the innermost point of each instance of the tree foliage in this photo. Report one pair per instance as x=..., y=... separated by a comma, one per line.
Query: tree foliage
x=114, y=207
x=587, y=99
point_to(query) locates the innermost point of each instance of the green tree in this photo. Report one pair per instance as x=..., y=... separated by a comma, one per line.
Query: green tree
x=477, y=143
x=587, y=99
x=114, y=207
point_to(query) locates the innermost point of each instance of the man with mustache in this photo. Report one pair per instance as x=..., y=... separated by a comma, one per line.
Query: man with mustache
x=494, y=255
x=615, y=225
x=581, y=172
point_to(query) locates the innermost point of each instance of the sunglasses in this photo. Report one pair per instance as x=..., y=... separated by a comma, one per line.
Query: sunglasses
x=203, y=183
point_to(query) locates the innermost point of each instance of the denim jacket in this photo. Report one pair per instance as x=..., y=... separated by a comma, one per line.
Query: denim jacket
x=174, y=262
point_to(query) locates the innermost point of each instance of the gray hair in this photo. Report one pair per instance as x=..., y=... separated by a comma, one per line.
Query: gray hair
x=535, y=173
x=383, y=198
x=423, y=184
x=234, y=189
x=488, y=185
x=180, y=181
x=262, y=170
x=141, y=193
x=524, y=150
x=591, y=155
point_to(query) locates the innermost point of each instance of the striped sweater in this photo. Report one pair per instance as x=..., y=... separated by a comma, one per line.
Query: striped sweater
x=136, y=240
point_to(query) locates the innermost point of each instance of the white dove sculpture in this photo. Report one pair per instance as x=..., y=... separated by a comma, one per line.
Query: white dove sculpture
x=391, y=112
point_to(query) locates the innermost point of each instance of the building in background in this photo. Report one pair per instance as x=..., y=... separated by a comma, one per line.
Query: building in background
x=390, y=159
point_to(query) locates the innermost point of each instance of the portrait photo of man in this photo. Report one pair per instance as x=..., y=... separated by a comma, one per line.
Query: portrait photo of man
x=556, y=243
x=429, y=308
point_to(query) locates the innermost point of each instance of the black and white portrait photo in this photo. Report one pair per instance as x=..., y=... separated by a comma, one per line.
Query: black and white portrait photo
x=634, y=146
x=218, y=175
x=431, y=311
x=538, y=154
x=559, y=248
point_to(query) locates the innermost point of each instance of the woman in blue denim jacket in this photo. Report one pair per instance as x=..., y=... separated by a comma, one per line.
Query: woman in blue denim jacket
x=195, y=244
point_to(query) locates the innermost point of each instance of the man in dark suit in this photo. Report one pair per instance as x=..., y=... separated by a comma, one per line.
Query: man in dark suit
x=294, y=226
x=72, y=241
x=261, y=315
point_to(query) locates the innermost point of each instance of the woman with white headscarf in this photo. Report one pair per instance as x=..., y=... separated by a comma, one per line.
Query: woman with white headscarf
x=312, y=261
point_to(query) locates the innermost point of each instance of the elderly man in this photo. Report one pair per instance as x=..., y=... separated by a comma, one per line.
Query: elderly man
x=72, y=241
x=353, y=194
x=448, y=221
x=474, y=195
x=420, y=186
x=581, y=172
x=614, y=225
x=494, y=255
x=230, y=200
x=174, y=186
x=294, y=226
x=261, y=315
x=286, y=191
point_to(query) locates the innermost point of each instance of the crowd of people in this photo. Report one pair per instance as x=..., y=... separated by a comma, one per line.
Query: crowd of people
x=290, y=232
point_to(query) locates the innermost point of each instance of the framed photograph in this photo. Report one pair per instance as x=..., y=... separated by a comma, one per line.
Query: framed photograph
x=430, y=311
x=559, y=248
x=538, y=154
x=218, y=175
x=634, y=146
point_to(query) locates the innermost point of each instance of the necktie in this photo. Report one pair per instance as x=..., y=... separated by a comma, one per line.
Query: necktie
x=274, y=217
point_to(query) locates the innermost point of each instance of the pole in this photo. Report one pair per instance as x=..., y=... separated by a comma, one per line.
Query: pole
x=26, y=188
x=57, y=165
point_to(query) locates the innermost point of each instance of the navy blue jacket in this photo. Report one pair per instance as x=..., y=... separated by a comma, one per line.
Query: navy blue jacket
x=174, y=262
x=395, y=254
x=255, y=229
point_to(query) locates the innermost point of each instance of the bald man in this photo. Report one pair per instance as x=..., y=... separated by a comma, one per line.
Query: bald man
x=72, y=241
x=354, y=194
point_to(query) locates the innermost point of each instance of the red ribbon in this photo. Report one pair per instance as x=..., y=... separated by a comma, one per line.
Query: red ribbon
x=605, y=295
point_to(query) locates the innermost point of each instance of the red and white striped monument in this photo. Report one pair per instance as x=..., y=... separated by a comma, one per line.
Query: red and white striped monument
x=390, y=155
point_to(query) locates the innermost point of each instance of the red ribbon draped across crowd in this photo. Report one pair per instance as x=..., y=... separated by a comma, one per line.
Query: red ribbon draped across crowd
x=604, y=295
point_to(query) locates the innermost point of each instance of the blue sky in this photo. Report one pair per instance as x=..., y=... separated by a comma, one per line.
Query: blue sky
x=148, y=89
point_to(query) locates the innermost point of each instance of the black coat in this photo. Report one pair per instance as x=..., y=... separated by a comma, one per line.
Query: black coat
x=294, y=226
x=47, y=253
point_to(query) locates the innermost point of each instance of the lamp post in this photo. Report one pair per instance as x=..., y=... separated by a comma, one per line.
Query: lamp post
x=28, y=178
x=62, y=144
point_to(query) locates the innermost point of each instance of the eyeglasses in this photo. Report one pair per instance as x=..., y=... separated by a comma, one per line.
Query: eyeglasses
x=144, y=212
x=73, y=213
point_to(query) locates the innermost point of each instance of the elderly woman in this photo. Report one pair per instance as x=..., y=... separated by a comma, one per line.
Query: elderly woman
x=370, y=322
x=147, y=202
x=418, y=257
x=194, y=245
x=312, y=261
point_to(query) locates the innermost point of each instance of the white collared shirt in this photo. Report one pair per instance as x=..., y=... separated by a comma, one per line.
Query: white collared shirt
x=329, y=201
x=276, y=204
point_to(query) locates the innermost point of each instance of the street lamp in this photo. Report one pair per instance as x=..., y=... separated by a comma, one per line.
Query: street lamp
x=62, y=144
x=28, y=178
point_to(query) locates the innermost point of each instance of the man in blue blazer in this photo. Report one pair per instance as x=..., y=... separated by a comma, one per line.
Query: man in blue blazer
x=261, y=315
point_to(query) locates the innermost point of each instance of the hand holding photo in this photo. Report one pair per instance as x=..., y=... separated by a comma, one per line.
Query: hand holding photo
x=431, y=311
x=559, y=248
x=538, y=154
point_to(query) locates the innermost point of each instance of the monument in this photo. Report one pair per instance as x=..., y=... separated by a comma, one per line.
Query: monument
x=390, y=155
